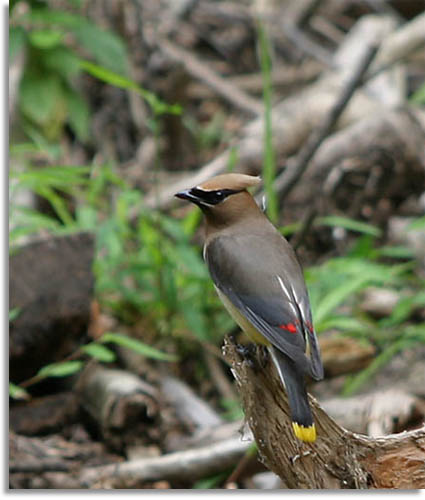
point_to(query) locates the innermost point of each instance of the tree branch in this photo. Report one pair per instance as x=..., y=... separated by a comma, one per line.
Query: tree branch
x=339, y=459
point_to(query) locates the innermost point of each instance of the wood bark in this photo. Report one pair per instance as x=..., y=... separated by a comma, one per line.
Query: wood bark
x=120, y=405
x=339, y=459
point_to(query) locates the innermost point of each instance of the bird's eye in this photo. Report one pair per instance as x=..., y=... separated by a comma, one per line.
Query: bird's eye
x=219, y=194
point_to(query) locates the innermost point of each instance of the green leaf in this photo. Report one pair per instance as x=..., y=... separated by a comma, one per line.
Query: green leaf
x=335, y=297
x=99, y=352
x=353, y=384
x=87, y=217
x=58, y=204
x=137, y=346
x=195, y=319
x=117, y=80
x=61, y=369
x=350, y=224
x=17, y=41
x=344, y=323
x=39, y=96
x=403, y=309
x=63, y=61
x=26, y=221
x=191, y=221
x=17, y=392
x=189, y=259
x=41, y=17
x=211, y=482
x=14, y=313
x=290, y=228
x=419, y=96
x=45, y=39
x=106, y=47
x=108, y=76
x=78, y=114
x=395, y=252
x=418, y=223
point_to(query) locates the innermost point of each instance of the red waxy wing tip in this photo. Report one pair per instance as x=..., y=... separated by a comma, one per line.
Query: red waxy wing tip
x=290, y=327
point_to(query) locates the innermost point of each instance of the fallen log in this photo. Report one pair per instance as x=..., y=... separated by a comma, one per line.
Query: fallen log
x=121, y=406
x=51, y=284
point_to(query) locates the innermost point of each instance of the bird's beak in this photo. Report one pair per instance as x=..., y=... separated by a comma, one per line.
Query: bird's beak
x=187, y=195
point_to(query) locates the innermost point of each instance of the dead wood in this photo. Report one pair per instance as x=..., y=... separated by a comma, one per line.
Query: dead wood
x=51, y=282
x=342, y=355
x=204, y=73
x=295, y=117
x=190, y=409
x=124, y=408
x=377, y=158
x=375, y=414
x=46, y=462
x=401, y=44
x=339, y=459
x=282, y=77
x=182, y=466
x=286, y=181
x=43, y=415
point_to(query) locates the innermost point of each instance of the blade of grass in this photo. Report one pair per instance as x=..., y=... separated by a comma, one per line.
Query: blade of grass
x=269, y=167
x=137, y=346
x=350, y=224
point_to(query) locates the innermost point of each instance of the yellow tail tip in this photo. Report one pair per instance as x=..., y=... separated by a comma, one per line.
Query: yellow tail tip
x=307, y=434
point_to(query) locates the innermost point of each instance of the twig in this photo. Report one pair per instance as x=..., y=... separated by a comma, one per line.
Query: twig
x=220, y=85
x=306, y=224
x=242, y=465
x=404, y=42
x=282, y=76
x=384, y=7
x=188, y=406
x=307, y=12
x=306, y=44
x=287, y=180
x=186, y=465
x=223, y=383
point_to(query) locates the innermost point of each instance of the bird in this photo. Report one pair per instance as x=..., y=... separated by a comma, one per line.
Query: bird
x=259, y=280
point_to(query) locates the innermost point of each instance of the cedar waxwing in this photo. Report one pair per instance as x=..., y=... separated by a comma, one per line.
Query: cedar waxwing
x=259, y=280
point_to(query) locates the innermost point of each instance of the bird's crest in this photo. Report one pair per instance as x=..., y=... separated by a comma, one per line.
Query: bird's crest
x=235, y=182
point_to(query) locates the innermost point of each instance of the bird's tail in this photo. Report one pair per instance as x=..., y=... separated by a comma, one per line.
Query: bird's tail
x=293, y=380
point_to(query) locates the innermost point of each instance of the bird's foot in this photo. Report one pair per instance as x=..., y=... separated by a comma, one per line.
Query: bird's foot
x=248, y=353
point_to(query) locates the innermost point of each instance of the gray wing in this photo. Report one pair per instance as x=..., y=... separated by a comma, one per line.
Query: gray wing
x=265, y=283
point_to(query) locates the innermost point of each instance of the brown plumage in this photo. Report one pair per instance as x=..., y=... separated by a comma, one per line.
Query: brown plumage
x=260, y=282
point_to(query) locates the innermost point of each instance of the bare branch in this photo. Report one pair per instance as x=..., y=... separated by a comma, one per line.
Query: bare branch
x=339, y=459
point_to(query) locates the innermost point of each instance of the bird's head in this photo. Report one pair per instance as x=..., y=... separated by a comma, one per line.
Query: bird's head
x=223, y=199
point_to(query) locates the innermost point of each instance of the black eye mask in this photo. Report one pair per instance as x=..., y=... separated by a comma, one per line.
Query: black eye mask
x=212, y=197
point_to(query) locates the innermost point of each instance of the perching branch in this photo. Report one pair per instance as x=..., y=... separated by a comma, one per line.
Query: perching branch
x=339, y=459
